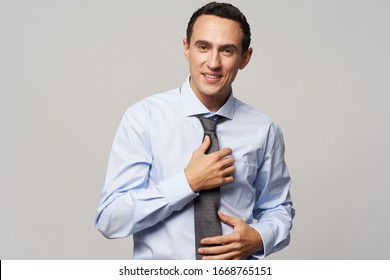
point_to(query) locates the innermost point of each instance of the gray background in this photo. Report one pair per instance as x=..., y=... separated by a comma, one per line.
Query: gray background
x=69, y=69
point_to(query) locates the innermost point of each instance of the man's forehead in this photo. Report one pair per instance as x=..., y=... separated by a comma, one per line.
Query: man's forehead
x=212, y=28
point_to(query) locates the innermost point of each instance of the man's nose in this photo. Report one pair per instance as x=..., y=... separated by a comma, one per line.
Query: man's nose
x=214, y=60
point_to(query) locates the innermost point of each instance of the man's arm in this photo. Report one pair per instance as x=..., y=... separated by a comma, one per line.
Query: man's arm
x=273, y=208
x=129, y=202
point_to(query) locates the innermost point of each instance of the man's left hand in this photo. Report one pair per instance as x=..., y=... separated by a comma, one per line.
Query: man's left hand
x=241, y=243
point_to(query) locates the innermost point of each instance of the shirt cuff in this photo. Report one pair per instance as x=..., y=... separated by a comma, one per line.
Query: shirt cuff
x=268, y=237
x=177, y=190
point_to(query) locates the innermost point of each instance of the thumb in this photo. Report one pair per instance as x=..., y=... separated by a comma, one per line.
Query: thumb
x=205, y=144
x=228, y=219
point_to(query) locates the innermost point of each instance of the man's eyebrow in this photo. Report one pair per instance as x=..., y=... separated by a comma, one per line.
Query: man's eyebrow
x=202, y=42
x=229, y=46
x=226, y=46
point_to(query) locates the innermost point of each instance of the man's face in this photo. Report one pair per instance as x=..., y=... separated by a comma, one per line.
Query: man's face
x=215, y=56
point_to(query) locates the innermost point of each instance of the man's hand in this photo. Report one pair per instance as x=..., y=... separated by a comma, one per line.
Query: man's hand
x=209, y=171
x=240, y=244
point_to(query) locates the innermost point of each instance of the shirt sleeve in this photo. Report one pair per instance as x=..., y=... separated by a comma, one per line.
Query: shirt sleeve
x=129, y=203
x=273, y=208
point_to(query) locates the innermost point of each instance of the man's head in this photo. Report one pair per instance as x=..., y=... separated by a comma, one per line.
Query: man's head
x=216, y=47
x=223, y=10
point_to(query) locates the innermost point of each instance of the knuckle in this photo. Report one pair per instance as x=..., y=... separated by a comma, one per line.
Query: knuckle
x=219, y=166
x=238, y=237
x=214, y=156
x=221, y=181
x=237, y=246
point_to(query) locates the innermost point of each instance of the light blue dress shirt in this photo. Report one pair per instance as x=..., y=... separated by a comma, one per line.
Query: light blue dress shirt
x=146, y=193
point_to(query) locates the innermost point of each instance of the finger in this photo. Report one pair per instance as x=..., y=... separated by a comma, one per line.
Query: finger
x=228, y=219
x=218, y=240
x=233, y=255
x=215, y=250
x=228, y=256
x=227, y=180
x=227, y=168
x=225, y=252
x=227, y=161
x=205, y=144
x=227, y=175
x=224, y=152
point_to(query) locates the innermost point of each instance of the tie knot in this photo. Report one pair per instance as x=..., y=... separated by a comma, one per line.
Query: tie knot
x=209, y=124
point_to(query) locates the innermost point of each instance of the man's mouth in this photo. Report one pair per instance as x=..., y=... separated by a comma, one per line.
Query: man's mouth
x=212, y=77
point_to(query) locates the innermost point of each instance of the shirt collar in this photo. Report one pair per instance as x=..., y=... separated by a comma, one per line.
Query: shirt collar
x=193, y=106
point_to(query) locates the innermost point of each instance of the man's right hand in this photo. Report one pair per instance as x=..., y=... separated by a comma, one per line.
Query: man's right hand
x=208, y=171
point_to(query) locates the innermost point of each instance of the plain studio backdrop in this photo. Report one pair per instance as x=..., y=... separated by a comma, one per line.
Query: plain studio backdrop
x=69, y=69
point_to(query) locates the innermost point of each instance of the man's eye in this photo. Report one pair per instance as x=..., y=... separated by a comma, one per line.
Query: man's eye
x=202, y=47
x=228, y=51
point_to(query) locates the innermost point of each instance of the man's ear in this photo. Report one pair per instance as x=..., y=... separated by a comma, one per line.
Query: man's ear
x=246, y=57
x=186, y=48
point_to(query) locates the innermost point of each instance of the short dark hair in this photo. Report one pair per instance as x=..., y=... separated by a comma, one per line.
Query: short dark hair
x=223, y=10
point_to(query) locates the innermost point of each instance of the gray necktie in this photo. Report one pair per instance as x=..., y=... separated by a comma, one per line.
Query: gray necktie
x=206, y=205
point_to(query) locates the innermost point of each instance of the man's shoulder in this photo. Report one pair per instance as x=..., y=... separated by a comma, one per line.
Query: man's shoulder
x=157, y=101
x=250, y=113
x=257, y=120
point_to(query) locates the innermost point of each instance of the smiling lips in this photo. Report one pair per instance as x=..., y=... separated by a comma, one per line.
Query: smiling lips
x=212, y=77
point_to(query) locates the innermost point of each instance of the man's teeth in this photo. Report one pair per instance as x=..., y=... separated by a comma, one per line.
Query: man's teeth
x=211, y=76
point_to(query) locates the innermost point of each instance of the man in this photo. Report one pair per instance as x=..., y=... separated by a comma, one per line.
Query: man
x=159, y=166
